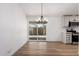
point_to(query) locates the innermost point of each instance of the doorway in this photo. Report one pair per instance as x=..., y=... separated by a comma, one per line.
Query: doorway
x=37, y=31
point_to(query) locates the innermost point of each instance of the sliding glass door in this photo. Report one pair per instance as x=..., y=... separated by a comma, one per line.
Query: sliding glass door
x=37, y=31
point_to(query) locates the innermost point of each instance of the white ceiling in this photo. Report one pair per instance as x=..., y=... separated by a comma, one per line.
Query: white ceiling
x=50, y=9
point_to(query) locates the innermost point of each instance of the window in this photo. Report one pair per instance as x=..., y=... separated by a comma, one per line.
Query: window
x=37, y=31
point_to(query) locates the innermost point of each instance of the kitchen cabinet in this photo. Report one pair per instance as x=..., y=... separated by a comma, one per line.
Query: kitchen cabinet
x=74, y=21
x=67, y=37
x=71, y=19
x=66, y=21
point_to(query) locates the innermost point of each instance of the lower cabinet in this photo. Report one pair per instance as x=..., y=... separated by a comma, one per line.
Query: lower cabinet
x=68, y=37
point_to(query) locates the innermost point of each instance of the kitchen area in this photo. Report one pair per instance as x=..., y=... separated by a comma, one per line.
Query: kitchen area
x=71, y=29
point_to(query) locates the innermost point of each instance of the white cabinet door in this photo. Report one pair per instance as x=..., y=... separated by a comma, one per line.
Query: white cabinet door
x=68, y=37
x=66, y=21
x=70, y=18
x=74, y=19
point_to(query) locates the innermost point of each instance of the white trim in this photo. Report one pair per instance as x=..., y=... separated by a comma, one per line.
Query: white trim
x=16, y=49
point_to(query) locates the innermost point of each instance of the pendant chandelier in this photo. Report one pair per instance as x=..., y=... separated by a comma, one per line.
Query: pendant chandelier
x=42, y=19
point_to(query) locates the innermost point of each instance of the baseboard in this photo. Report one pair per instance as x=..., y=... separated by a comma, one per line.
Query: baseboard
x=55, y=41
x=16, y=49
x=48, y=41
x=37, y=41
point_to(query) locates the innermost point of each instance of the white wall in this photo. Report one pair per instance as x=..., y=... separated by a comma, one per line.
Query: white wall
x=54, y=28
x=13, y=28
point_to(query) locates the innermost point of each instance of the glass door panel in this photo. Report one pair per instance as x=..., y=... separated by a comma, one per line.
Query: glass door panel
x=41, y=29
x=32, y=29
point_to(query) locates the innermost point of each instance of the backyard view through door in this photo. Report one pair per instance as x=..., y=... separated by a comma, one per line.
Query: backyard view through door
x=37, y=31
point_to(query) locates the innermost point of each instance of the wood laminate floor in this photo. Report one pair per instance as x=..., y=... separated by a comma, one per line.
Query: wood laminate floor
x=47, y=49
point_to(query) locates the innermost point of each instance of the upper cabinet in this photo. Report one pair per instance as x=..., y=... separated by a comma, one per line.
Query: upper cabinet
x=70, y=20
